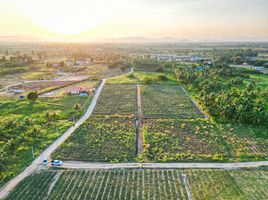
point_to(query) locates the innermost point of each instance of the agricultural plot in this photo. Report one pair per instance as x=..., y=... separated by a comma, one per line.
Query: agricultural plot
x=167, y=102
x=144, y=184
x=244, y=142
x=40, y=86
x=117, y=99
x=170, y=140
x=101, y=138
x=234, y=184
x=96, y=71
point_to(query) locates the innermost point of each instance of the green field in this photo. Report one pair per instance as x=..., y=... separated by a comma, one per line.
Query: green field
x=142, y=78
x=203, y=184
x=24, y=125
x=170, y=140
x=117, y=99
x=101, y=138
x=167, y=102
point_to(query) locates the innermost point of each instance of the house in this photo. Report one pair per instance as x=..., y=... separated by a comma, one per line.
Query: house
x=83, y=92
x=73, y=92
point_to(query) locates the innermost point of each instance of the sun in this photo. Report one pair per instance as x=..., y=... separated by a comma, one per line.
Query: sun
x=66, y=16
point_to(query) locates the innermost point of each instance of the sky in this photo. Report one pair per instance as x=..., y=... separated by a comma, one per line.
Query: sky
x=89, y=20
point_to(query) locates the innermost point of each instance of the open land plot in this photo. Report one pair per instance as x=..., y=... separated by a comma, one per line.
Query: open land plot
x=101, y=138
x=40, y=86
x=144, y=184
x=84, y=85
x=97, y=71
x=116, y=99
x=167, y=102
x=169, y=140
x=25, y=125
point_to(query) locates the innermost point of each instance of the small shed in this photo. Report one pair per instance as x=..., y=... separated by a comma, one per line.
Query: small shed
x=83, y=94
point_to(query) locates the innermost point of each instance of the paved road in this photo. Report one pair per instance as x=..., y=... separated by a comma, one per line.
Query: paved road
x=90, y=165
x=46, y=154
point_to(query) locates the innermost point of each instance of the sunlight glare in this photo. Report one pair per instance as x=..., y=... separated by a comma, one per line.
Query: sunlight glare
x=66, y=17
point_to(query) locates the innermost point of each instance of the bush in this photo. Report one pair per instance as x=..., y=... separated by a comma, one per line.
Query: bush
x=147, y=80
x=162, y=78
x=131, y=76
x=32, y=96
x=160, y=69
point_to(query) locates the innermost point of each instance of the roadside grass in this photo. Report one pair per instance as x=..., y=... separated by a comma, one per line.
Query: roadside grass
x=101, y=139
x=24, y=125
x=209, y=184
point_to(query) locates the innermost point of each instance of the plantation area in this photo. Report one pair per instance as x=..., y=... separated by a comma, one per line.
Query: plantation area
x=117, y=99
x=24, y=125
x=101, y=138
x=203, y=184
x=228, y=94
x=173, y=130
x=167, y=102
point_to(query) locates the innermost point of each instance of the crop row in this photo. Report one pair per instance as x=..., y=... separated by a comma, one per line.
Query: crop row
x=117, y=99
x=167, y=102
x=203, y=184
x=101, y=138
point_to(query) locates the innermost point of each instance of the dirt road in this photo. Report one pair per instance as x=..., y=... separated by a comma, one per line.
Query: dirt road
x=211, y=165
x=140, y=149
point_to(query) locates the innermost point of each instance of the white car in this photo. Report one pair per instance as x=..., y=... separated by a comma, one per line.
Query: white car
x=56, y=162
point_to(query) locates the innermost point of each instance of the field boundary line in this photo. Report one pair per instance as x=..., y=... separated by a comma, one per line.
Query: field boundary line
x=187, y=188
x=52, y=184
x=195, y=104
x=139, y=133
x=181, y=165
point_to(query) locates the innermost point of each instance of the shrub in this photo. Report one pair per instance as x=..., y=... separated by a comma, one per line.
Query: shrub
x=32, y=96
x=147, y=80
x=160, y=69
x=162, y=78
x=131, y=76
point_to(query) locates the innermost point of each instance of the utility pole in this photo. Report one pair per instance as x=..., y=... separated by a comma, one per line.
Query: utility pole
x=33, y=152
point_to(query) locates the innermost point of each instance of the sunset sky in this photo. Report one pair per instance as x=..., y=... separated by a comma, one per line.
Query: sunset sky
x=86, y=20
